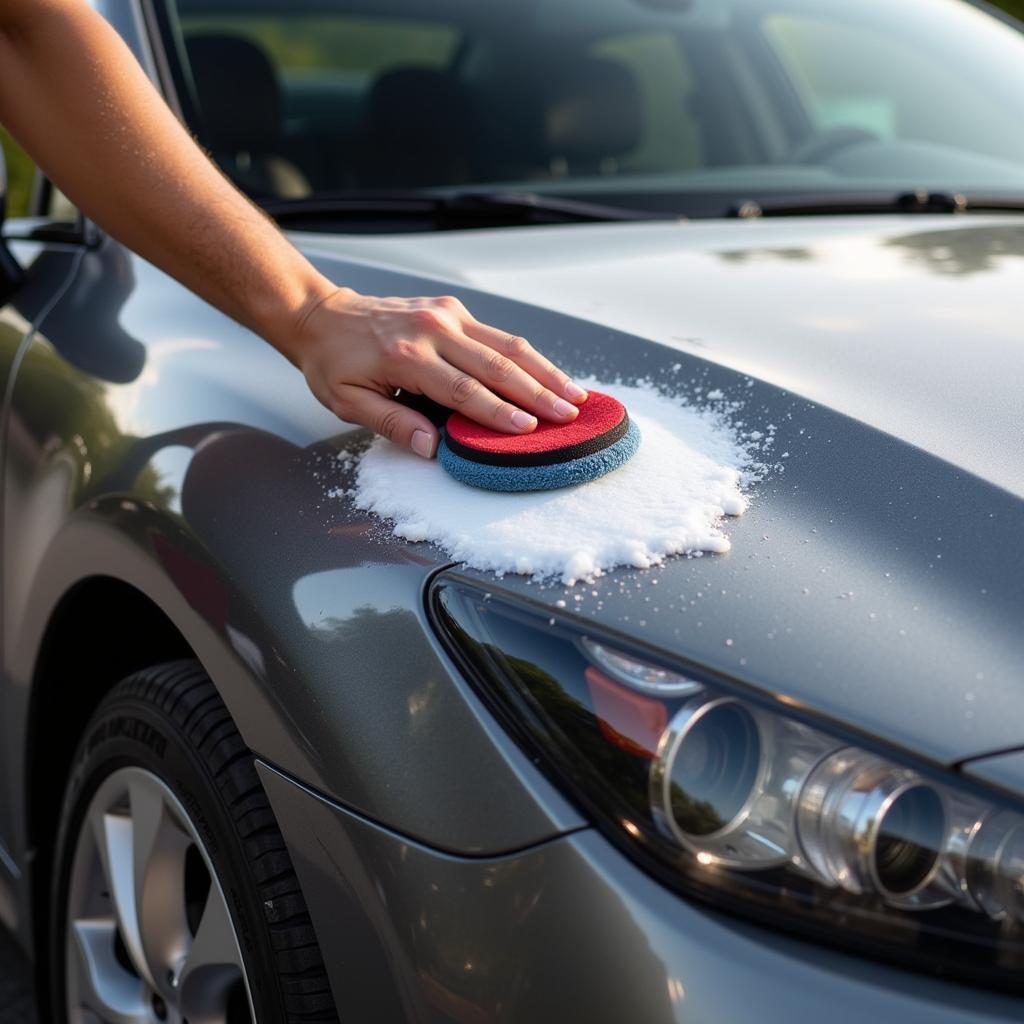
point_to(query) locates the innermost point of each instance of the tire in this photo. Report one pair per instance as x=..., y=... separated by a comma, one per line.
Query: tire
x=214, y=926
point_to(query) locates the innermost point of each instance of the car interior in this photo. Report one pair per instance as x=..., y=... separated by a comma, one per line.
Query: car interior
x=323, y=99
x=468, y=111
x=409, y=126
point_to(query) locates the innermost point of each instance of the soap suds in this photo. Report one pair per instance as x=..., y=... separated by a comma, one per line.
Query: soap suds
x=669, y=499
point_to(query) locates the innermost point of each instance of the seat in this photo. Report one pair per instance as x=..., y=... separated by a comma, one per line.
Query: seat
x=592, y=116
x=241, y=106
x=416, y=131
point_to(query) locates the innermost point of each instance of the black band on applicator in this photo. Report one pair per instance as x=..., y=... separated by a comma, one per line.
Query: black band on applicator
x=547, y=458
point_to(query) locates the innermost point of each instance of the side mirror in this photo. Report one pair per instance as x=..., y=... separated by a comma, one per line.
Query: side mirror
x=11, y=274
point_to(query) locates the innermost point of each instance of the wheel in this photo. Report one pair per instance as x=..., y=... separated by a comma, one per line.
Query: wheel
x=174, y=899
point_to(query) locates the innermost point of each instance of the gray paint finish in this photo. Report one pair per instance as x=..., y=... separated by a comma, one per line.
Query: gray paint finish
x=1004, y=770
x=907, y=323
x=188, y=459
x=567, y=931
x=875, y=580
x=193, y=451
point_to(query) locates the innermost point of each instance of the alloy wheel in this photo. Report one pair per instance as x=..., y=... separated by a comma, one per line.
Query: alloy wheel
x=150, y=939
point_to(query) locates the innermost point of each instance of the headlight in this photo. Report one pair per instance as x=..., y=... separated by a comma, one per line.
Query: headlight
x=750, y=804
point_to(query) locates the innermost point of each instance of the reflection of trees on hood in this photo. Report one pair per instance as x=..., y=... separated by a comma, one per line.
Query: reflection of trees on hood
x=955, y=252
x=792, y=255
x=958, y=252
x=53, y=398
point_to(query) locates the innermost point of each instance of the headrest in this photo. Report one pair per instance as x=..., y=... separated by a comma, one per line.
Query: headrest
x=592, y=110
x=417, y=126
x=239, y=94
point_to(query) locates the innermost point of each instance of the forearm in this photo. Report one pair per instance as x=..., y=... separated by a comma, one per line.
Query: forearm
x=80, y=105
x=170, y=204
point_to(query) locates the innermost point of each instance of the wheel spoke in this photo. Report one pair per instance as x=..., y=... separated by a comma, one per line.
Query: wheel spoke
x=213, y=963
x=142, y=850
x=150, y=934
x=159, y=846
x=100, y=983
x=113, y=834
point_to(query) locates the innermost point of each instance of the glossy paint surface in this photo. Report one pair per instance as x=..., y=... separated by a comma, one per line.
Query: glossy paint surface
x=140, y=412
x=908, y=324
x=876, y=576
x=568, y=930
x=153, y=440
x=1003, y=770
x=875, y=580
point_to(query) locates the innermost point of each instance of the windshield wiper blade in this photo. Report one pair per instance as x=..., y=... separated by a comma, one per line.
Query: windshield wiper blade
x=451, y=210
x=902, y=202
x=539, y=204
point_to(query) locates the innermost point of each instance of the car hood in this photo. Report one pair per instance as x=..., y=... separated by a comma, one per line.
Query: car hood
x=914, y=325
x=876, y=577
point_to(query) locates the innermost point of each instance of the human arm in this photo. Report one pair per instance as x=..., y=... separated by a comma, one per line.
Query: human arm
x=102, y=132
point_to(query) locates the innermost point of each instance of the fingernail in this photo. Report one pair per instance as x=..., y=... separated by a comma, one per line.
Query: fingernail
x=522, y=420
x=422, y=443
x=574, y=391
x=563, y=408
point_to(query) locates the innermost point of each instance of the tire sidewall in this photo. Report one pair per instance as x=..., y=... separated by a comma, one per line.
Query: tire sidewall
x=126, y=732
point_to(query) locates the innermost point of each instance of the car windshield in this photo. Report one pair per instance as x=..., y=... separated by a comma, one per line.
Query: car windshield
x=678, y=106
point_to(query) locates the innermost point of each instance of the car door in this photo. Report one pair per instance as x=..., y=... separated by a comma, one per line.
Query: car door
x=49, y=251
x=38, y=257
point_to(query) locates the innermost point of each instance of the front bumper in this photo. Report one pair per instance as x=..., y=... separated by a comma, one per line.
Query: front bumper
x=568, y=930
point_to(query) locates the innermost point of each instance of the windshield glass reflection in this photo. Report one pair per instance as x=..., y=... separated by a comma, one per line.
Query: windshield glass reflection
x=640, y=103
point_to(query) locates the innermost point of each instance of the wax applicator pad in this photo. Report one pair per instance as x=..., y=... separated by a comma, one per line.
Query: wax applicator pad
x=600, y=439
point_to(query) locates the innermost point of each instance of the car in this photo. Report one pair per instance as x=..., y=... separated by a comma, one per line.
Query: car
x=264, y=761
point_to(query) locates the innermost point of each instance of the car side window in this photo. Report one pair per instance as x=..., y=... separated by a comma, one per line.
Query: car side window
x=29, y=194
x=58, y=207
x=20, y=171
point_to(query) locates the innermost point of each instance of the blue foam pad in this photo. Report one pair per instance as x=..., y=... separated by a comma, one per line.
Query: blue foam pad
x=541, y=478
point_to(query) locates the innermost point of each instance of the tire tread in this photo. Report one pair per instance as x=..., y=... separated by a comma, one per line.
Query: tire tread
x=184, y=692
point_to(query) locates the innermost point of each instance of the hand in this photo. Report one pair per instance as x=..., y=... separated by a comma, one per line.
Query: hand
x=356, y=350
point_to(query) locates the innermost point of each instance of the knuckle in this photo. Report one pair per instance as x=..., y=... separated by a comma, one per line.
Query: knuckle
x=554, y=372
x=342, y=409
x=497, y=367
x=429, y=320
x=516, y=346
x=403, y=350
x=388, y=424
x=502, y=412
x=450, y=303
x=462, y=388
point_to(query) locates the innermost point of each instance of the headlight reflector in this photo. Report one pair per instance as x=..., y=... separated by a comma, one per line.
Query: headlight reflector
x=743, y=802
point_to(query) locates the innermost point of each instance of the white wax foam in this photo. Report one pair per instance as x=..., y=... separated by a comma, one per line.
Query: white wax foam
x=670, y=498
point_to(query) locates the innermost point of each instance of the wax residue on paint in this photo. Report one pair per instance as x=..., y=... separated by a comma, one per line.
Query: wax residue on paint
x=671, y=498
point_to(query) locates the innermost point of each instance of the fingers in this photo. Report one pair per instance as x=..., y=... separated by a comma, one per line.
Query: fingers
x=463, y=391
x=392, y=420
x=502, y=376
x=524, y=355
x=430, y=346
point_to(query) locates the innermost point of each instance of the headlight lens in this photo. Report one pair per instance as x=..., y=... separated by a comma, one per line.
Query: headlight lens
x=749, y=805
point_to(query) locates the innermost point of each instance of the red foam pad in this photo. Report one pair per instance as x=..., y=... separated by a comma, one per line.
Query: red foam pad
x=598, y=414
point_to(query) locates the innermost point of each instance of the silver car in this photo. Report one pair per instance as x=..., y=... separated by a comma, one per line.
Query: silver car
x=262, y=761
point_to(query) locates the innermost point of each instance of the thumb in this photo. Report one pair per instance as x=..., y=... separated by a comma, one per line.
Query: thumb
x=392, y=420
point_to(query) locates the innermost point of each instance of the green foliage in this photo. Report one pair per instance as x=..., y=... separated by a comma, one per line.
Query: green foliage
x=19, y=176
x=1014, y=7
x=365, y=46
